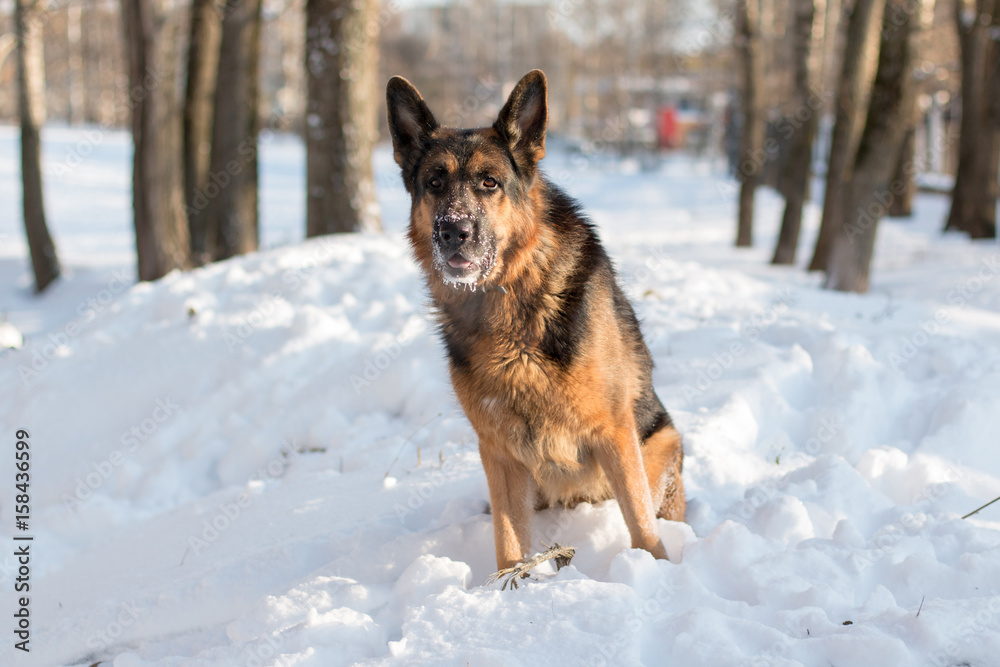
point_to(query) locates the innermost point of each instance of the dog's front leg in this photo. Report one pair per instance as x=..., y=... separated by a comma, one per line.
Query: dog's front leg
x=509, y=482
x=621, y=460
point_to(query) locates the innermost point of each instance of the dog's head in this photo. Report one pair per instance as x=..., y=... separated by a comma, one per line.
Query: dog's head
x=471, y=189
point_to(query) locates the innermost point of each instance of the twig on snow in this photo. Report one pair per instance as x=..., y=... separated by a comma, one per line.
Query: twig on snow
x=560, y=554
x=981, y=508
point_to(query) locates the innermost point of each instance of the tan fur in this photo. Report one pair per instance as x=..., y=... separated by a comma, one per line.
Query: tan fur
x=550, y=432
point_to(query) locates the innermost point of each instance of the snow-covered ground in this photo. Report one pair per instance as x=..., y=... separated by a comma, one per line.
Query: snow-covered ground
x=262, y=463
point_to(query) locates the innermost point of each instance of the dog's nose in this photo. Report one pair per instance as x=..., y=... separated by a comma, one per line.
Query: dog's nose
x=454, y=231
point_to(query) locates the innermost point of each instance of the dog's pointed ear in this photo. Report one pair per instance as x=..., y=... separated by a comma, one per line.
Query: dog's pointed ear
x=523, y=118
x=410, y=121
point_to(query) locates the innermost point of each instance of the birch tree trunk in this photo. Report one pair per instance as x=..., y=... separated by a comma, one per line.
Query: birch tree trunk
x=161, y=231
x=869, y=191
x=858, y=68
x=31, y=102
x=341, y=115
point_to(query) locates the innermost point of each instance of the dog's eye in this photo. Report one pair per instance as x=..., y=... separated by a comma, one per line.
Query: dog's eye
x=490, y=182
x=434, y=183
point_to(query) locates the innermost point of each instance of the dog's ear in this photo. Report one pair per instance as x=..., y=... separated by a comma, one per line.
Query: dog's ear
x=523, y=118
x=410, y=121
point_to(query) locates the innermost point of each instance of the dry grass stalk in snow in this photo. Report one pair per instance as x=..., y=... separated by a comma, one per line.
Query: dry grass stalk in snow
x=562, y=556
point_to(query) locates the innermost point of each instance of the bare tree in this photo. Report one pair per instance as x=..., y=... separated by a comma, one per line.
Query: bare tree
x=869, y=191
x=31, y=85
x=161, y=231
x=972, y=210
x=990, y=193
x=752, y=142
x=802, y=124
x=342, y=115
x=902, y=205
x=202, y=71
x=231, y=217
x=857, y=70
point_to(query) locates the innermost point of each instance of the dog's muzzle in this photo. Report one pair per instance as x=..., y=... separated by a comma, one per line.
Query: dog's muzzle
x=460, y=254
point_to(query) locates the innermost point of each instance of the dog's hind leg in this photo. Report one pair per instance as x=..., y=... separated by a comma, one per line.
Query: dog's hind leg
x=663, y=458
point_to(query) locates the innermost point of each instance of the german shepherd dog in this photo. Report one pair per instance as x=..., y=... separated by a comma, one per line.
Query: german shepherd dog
x=544, y=350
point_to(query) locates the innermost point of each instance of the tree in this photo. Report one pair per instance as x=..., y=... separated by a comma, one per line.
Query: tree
x=973, y=209
x=857, y=70
x=798, y=167
x=868, y=191
x=231, y=216
x=902, y=205
x=990, y=191
x=341, y=115
x=31, y=85
x=202, y=72
x=161, y=231
x=752, y=141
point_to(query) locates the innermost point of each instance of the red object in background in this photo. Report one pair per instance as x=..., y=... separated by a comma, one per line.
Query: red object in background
x=666, y=127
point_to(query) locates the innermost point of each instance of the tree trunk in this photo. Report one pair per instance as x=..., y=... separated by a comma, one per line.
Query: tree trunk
x=231, y=216
x=161, y=232
x=75, y=66
x=31, y=101
x=752, y=156
x=901, y=206
x=860, y=57
x=973, y=19
x=987, y=206
x=202, y=72
x=869, y=191
x=801, y=127
x=342, y=115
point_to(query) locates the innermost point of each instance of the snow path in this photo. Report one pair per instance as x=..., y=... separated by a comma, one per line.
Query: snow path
x=261, y=462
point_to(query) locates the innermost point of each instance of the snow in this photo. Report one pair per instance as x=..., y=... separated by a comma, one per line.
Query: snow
x=261, y=462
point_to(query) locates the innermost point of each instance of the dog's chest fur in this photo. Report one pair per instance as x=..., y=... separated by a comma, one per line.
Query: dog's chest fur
x=528, y=401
